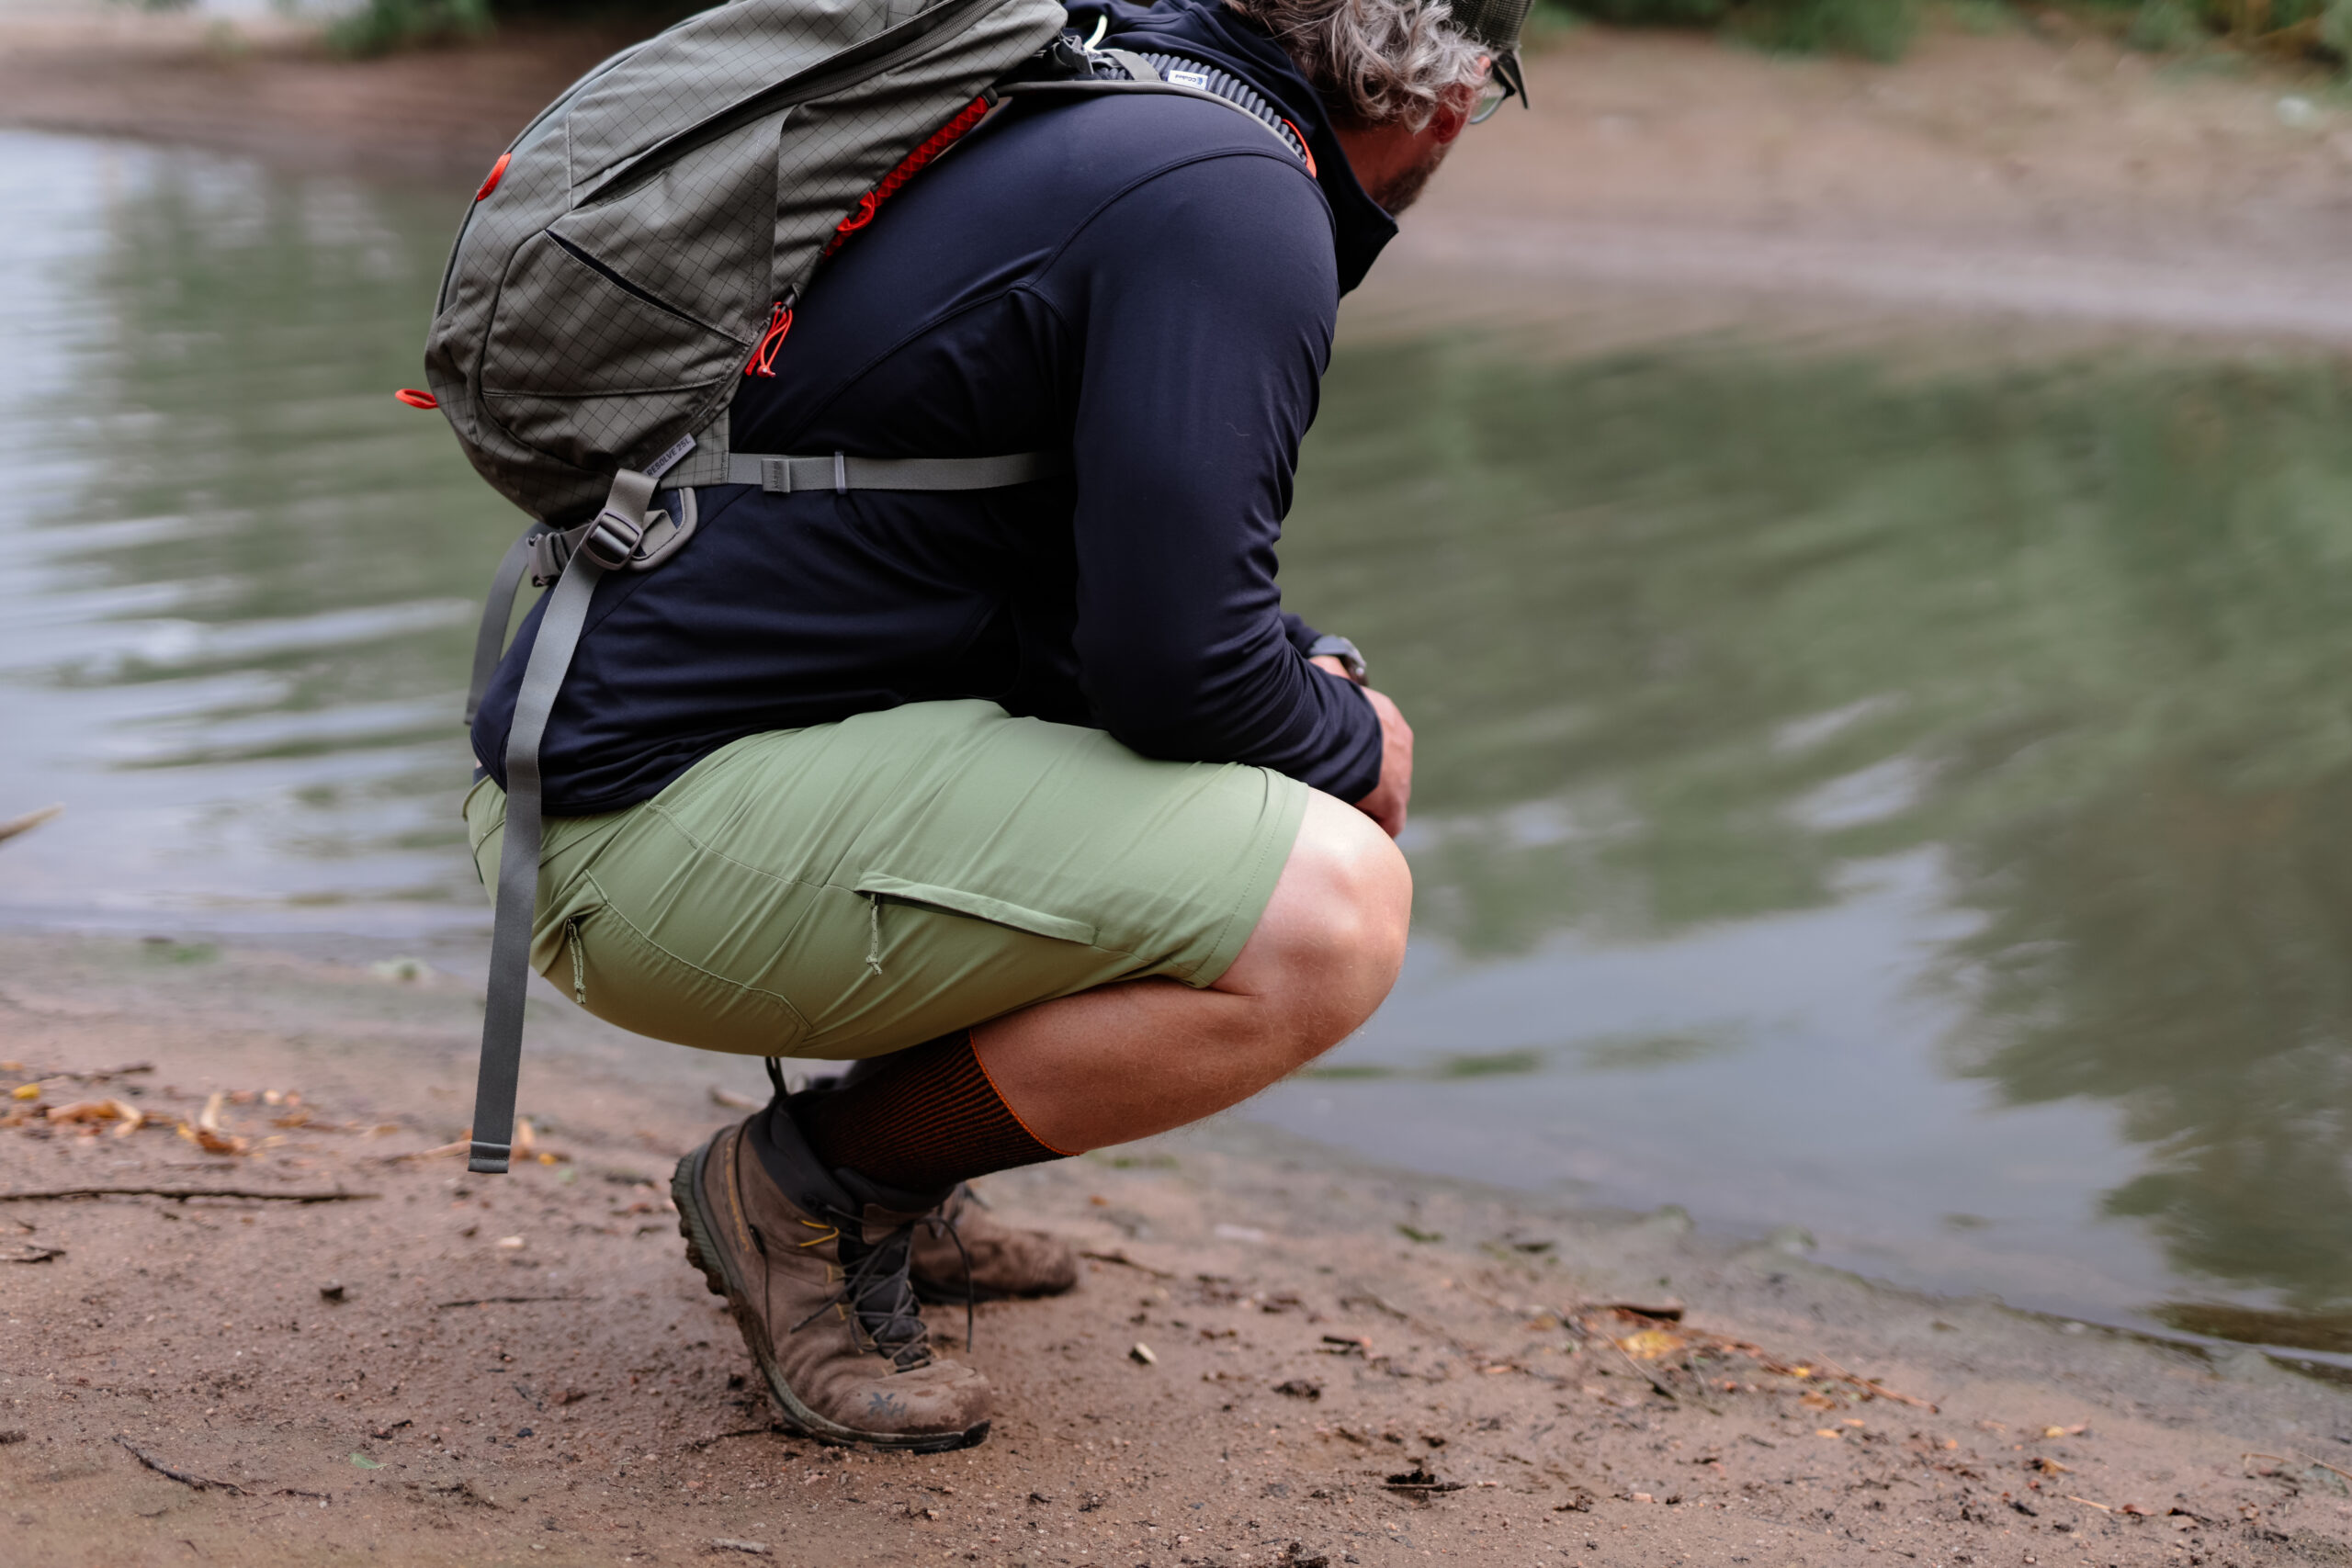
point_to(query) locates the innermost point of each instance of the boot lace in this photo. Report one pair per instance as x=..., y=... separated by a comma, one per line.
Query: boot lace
x=876, y=1290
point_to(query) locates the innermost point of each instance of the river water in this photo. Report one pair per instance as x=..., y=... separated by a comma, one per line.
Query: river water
x=1890, y=794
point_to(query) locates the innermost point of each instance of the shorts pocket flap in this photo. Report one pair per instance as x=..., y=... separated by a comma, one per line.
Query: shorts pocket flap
x=978, y=905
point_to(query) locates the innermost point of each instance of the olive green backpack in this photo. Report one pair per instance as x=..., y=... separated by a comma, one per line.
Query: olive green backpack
x=632, y=257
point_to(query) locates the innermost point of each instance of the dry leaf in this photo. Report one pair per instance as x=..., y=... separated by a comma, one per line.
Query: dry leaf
x=2075, y=1431
x=211, y=1142
x=1651, y=1344
x=25, y=1091
x=209, y=1118
x=1818, y=1400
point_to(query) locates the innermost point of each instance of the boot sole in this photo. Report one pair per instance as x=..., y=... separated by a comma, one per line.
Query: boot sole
x=704, y=1252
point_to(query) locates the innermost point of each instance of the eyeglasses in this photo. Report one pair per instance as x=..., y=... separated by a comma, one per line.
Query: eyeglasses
x=1492, y=94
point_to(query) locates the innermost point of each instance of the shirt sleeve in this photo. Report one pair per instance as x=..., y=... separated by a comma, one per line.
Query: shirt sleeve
x=1204, y=300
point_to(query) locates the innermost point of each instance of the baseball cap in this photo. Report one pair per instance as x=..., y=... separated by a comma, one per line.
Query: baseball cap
x=1496, y=24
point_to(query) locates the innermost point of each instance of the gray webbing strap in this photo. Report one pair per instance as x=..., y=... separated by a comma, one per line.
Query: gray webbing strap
x=838, y=472
x=490, y=638
x=1134, y=64
x=616, y=533
x=1150, y=82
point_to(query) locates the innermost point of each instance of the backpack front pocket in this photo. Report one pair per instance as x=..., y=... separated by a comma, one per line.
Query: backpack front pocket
x=580, y=362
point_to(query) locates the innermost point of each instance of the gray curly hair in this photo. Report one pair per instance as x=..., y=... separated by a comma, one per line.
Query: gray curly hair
x=1375, y=62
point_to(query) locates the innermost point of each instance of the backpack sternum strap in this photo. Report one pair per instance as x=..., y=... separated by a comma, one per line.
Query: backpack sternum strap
x=840, y=472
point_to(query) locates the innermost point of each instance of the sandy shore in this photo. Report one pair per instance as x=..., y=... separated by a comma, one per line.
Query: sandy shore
x=426, y=1367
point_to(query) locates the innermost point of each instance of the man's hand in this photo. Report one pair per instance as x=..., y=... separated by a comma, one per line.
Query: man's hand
x=1386, y=805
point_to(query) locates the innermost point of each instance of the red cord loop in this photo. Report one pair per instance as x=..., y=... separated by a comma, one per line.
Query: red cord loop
x=763, y=357
x=908, y=166
x=417, y=400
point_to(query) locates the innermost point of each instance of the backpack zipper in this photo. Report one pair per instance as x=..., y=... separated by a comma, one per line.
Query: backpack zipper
x=624, y=285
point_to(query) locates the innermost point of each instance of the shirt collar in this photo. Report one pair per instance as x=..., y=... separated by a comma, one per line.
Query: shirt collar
x=1206, y=31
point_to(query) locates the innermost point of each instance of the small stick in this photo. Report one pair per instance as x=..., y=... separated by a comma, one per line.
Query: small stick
x=504, y=1301
x=182, y=1194
x=1657, y=1381
x=28, y=821
x=1122, y=1259
x=698, y=1444
x=2086, y=1503
x=159, y=1467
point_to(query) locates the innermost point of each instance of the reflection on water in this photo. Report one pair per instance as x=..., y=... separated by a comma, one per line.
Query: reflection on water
x=2038, y=670
x=234, y=613
x=1887, y=798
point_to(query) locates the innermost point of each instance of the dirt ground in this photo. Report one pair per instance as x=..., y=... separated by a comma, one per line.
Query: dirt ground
x=370, y=1355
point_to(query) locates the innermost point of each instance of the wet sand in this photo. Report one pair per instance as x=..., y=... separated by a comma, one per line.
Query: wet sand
x=1348, y=1364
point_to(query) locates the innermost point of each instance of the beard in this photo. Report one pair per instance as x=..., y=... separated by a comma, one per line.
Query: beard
x=1403, y=188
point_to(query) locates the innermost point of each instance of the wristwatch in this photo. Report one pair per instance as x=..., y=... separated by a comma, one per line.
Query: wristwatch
x=1340, y=648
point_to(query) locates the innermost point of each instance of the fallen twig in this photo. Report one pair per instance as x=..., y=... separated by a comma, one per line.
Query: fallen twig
x=1124, y=1261
x=698, y=1444
x=93, y=1075
x=1876, y=1391
x=461, y=1146
x=504, y=1301
x=33, y=1254
x=1654, y=1380
x=2086, y=1503
x=201, y=1483
x=298, y=1492
x=182, y=1194
x=28, y=822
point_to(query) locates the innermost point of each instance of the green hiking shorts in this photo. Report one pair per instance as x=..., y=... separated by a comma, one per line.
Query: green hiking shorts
x=851, y=890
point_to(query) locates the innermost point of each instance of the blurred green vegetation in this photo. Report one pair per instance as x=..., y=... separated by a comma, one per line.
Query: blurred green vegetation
x=1879, y=29
x=378, y=27
x=1873, y=29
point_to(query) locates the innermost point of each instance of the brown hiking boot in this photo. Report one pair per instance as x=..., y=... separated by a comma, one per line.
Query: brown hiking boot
x=995, y=1261
x=818, y=1282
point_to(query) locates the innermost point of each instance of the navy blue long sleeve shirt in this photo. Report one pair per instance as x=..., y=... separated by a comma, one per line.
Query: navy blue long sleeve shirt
x=1145, y=282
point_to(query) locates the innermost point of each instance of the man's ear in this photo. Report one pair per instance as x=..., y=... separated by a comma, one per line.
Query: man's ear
x=1451, y=118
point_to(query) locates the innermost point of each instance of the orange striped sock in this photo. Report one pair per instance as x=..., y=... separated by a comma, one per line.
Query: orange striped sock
x=923, y=1119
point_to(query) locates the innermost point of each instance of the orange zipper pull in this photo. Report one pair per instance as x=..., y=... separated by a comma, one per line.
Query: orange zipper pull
x=763, y=357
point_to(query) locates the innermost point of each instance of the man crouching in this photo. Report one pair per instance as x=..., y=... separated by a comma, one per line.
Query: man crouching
x=1033, y=803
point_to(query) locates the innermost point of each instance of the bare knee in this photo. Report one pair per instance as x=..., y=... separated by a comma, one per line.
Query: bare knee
x=1327, y=951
